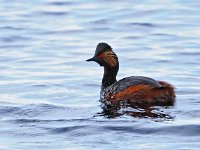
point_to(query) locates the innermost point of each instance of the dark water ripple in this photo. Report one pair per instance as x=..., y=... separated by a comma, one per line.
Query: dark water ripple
x=49, y=95
x=186, y=130
x=46, y=13
x=61, y=3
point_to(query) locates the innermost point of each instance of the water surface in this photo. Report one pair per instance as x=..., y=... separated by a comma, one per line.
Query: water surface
x=49, y=95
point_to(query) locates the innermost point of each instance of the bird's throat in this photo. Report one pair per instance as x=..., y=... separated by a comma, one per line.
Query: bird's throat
x=109, y=77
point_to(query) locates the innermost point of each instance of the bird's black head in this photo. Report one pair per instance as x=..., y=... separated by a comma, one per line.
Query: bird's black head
x=105, y=56
x=102, y=47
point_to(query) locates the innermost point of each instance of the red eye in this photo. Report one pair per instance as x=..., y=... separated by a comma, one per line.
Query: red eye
x=100, y=55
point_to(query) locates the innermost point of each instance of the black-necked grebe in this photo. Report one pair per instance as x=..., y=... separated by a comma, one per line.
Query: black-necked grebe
x=134, y=89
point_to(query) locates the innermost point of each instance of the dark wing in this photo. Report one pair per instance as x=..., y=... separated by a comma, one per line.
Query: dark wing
x=131, y=81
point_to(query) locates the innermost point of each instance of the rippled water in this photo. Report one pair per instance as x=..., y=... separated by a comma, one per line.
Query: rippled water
x=49, y=95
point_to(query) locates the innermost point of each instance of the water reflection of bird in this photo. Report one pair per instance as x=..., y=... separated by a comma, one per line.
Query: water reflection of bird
x=130, y=90
x=136, y=111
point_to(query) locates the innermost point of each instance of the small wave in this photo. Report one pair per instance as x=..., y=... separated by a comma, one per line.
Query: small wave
x=15, y=39
x=100, y=21
x=186, y=130
x=8, y=109
x=61, y=3
x=71, y=31
x=11, y=28
x=143, y=24
x=189, y=53
x=181, y=130
x=8, y=46
x=28, y=110
x=50, y=13
x=27, y=121
x=66, y=129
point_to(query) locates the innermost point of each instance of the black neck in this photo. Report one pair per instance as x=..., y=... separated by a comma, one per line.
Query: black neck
x=109, y=76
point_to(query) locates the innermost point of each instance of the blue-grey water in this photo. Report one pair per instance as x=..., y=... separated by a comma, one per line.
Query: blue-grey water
x=49, y=95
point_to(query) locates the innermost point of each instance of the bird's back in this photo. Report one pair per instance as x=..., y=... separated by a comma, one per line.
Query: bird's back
x=139, y=89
